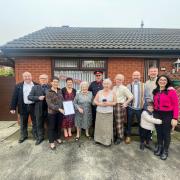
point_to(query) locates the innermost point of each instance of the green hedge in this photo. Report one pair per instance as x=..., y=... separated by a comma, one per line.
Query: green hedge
x=6, y=72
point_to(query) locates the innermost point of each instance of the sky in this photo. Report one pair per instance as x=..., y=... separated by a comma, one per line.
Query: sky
x=21, y=17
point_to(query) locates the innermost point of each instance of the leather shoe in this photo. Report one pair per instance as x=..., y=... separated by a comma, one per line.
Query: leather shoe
x=21, y=140
x=164, y=155
x=118, y=141
x=39, y=141
x=128, y=140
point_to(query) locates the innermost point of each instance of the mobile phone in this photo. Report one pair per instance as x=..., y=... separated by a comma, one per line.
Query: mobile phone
x=104, y=100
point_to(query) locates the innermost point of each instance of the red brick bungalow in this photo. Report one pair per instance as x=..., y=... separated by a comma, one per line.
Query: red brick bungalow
x=77, y=52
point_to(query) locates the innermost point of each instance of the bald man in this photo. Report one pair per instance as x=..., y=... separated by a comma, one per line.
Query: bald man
x=25, y=106
x=136, y=106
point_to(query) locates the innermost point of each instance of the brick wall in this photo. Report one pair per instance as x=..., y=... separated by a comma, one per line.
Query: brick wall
x=35, y=66
x=125, y=66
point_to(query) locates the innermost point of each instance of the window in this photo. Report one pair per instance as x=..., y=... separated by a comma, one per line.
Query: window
x=78, y=69
x=149, y=63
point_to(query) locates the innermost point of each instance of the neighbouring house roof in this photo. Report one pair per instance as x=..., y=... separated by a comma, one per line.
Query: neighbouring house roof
x=102, y=41
x=5, y=61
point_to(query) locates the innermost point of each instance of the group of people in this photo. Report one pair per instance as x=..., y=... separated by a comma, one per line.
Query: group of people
x=100, y=105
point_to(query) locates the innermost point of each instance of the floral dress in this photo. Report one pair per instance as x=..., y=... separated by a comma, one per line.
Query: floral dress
x=68, y=121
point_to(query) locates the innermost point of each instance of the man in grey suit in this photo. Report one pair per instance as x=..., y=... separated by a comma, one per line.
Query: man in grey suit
x=37, y=95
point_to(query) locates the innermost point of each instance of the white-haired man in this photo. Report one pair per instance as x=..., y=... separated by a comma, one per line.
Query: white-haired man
x=25, y=106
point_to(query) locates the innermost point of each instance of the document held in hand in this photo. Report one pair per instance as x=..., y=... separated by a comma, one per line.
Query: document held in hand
x=68, y=108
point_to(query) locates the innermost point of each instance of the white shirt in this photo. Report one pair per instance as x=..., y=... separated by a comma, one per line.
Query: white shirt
x=26, y=90
x=136, y=96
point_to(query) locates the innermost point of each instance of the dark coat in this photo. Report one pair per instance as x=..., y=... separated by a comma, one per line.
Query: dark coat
x=40, y=106
x=17, y=100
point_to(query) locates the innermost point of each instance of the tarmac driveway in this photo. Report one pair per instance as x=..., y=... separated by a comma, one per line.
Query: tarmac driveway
x=85, y=160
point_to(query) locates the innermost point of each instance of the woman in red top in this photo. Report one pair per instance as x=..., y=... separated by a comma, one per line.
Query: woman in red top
x=166, y=109
x=69, y=94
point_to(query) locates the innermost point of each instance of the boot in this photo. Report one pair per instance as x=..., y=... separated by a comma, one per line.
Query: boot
x=158, y=151
x=164, y=155
x=141, y=147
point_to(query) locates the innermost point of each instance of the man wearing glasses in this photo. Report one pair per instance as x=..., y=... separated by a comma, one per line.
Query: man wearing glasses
x=94, y=87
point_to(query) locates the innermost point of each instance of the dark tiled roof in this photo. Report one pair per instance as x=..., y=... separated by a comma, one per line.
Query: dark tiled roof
x=99, y=38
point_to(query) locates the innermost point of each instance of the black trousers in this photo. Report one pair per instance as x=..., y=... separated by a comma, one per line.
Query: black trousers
x=54, y=123
x=40, y=121
x=145, y=135
x=130, y=114
x=24, y=121
x=93, y=116
x=164, y=129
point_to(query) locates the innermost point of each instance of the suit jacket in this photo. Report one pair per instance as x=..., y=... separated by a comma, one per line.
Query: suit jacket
x=17, y=100
x=40, y=106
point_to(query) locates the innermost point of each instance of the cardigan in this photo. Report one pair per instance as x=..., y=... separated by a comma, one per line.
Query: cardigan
x=167, y=102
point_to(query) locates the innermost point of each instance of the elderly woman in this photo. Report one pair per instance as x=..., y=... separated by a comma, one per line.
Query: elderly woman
x=69, y=94
x=105, y=100
x=83, y=116
x=166, y=109
x=124, y=97
x=54, y=101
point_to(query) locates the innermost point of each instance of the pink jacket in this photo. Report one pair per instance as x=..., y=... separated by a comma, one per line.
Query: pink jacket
x=167, y=102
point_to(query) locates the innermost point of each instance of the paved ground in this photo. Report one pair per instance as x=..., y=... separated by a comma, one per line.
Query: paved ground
x=85, y=161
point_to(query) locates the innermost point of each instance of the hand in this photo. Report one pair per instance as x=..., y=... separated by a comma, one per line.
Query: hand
x=124, y=105
x=61, y=111
x=12, y=111
x=41, y=98
x=80, y=110
x=174, y=123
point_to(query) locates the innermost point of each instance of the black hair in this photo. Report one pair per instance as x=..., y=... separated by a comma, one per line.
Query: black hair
x=169, y=83
x=69, y=79
x=150, y=103
x=55, y=78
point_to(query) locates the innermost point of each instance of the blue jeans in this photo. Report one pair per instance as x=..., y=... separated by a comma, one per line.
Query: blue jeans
x=130, y=113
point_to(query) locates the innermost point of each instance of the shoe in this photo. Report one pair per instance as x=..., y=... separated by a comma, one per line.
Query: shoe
x=88, y=136
x=158, y=151
x=118, y=141
x=52, y=146
x=21, y=140
x=39, y=141
x=59, y=141
x=141, y=147
x=164, y=155
x=77, y=138
x=128, y=140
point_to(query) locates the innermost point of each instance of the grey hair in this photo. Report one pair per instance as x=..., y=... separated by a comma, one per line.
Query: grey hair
x=84, y=83
x=107, y=81
x=26, y=73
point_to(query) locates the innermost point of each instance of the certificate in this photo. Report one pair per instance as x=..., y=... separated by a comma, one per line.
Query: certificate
x=68, y=108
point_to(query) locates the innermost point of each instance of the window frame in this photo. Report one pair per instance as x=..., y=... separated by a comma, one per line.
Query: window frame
x=79, y=65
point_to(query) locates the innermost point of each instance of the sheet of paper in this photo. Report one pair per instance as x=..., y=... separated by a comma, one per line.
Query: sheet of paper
x=68, y=108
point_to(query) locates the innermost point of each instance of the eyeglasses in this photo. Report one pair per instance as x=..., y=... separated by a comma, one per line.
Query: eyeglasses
x=98, y=75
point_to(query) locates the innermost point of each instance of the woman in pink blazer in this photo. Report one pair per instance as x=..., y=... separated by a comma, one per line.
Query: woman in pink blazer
x=166, y=109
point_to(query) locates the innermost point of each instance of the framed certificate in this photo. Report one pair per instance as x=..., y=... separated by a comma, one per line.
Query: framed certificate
x=68, y=108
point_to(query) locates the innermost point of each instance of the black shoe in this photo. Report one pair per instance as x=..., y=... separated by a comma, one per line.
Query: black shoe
x=118, y=141
x=164, y=155
x=141, y=147
x=39, y=141
x=22, y=139
x=158, y=151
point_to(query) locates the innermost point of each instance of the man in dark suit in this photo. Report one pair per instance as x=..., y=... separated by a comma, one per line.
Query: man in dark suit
x=94, y=87
x=25, y=107
x=37, y=95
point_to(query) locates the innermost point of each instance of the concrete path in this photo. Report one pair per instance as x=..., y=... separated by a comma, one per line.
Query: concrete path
x=7, y=128
x=85, y=161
